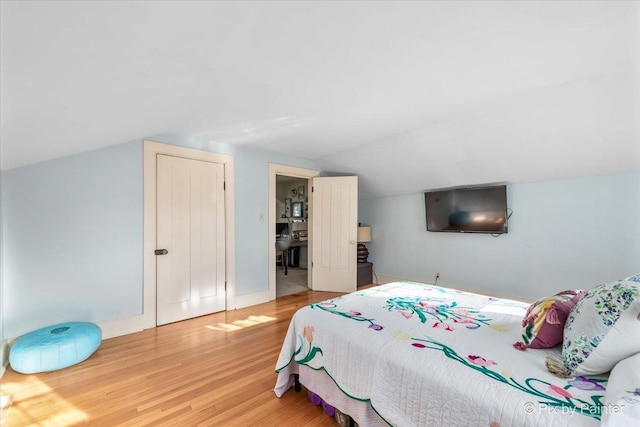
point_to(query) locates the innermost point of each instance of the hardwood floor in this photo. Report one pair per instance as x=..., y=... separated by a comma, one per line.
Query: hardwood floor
x=209, y=371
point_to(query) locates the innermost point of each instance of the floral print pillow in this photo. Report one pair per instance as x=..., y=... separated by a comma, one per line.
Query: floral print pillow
x=543, y=323
x=622, y=398
x=602, y=329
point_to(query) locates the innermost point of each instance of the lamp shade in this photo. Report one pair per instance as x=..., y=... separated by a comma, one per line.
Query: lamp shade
x=364, y=234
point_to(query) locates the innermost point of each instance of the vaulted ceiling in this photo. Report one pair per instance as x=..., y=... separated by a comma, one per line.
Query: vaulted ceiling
x=408, y=95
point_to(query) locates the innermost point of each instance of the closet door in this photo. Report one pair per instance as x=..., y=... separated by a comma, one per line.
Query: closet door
x=191, y=228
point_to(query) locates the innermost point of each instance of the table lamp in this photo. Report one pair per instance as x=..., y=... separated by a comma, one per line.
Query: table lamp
x=364, y=236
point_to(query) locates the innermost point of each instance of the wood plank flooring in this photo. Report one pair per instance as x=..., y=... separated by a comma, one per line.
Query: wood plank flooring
x=209, y=371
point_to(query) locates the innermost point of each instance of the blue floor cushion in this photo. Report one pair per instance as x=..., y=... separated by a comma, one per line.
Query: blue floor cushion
x=55, y=347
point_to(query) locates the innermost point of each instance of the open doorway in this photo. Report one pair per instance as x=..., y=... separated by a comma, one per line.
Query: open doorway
x=296, y=224
x=292, y=235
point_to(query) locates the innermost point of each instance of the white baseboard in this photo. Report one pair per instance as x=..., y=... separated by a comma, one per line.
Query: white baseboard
x=128, y=325
x=4, y=356
x=124, y=326
x=387, y=278
x=254, y=298
x=136, y=323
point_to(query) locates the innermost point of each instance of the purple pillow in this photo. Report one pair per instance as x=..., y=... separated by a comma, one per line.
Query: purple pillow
x=543, y=324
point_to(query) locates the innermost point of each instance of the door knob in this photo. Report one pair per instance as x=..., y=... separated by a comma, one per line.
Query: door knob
x=161, y=251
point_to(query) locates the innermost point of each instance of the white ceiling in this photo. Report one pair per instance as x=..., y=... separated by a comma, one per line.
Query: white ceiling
x=408, y=95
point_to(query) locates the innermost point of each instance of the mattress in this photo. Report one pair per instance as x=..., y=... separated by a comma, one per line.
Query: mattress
x=410, y=354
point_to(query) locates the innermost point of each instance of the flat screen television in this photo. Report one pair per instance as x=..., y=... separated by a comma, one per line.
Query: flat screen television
x=467, y=210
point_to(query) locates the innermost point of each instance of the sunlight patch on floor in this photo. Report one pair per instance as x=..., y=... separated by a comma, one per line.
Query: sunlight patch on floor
x=241, y=324
x=5, y=404
x=16, y=394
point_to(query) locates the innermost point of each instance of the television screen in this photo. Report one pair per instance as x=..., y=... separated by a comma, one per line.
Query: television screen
x=467, y=210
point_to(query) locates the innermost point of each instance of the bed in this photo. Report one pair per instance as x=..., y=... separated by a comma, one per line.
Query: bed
x=410, y=354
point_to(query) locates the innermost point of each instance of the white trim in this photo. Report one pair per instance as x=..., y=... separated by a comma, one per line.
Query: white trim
x=117, y=327
x=277, y=169
x=151, y=150
x=4, y=356
x=384, y=279
x=253, y=298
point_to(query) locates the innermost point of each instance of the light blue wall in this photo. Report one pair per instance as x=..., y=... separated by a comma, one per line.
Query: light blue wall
x=73, y=239
x=3, y=346
x=563, y=234
x=73, y=232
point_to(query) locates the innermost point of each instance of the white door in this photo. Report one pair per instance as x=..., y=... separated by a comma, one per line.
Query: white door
x=190, y=226
x=334, y=227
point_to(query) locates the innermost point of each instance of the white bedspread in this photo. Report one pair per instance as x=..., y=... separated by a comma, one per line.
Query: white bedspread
x=430, y=356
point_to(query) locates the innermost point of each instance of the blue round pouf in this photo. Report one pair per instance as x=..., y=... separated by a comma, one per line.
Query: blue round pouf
x=55, y=347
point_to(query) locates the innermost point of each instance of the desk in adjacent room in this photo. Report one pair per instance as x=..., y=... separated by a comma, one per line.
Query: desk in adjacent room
x=298, y=253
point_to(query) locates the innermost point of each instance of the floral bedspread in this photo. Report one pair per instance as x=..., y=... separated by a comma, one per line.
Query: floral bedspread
x=431, y=356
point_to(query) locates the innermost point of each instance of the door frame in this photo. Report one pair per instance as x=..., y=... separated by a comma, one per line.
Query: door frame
x=151, y=150
x=308, y=174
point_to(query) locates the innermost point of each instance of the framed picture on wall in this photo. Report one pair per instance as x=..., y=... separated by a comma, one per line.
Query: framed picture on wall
x=301, y=192
x=297, y=210
x=287, y=207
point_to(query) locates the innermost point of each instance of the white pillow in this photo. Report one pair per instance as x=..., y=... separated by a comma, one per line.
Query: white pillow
x=622, y=398
x=602, y=329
